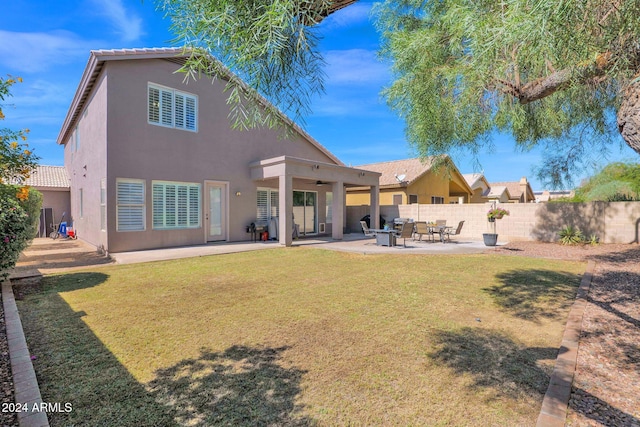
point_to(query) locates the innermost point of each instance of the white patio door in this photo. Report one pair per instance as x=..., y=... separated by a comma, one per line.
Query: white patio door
x=216, y=216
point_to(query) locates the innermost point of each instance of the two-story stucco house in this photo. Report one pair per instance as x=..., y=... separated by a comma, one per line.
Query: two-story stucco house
x=153, y=162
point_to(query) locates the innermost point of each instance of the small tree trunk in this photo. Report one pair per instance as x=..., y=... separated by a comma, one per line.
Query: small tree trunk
x=629, y=115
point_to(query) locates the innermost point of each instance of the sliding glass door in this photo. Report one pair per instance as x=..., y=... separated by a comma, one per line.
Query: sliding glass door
x=305, y=211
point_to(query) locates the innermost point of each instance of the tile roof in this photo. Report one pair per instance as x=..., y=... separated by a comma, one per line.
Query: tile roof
x=497, y=191
x=49, y=176
x=514, y=188
x=392, y=172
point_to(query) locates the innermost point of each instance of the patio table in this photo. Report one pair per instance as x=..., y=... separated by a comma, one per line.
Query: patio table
x=385, y=237
x=440, y=229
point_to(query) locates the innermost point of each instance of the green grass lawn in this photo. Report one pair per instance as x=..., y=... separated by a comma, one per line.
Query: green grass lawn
x=298, y=336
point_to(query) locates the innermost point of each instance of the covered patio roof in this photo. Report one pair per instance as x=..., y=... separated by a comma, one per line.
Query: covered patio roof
x=286, y=169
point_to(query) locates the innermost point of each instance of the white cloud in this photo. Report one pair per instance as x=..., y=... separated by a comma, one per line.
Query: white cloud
x=350, y=15
x=355, y=66
x=126, y=23
x=36, y=52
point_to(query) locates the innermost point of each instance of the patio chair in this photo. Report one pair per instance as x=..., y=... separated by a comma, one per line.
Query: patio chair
x=365, y=229
x=422, y=229
x=449, y=231
x=441, y=222
x=405, y=233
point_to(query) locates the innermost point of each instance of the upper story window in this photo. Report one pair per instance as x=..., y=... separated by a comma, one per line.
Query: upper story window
x=172, y=108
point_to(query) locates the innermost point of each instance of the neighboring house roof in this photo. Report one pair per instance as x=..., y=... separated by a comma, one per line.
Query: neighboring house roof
x=401, y=173
x=98, y=58
x=476, y=180
x=516, y=188
x=546, y=195
x=49, y=176
x=497, y=191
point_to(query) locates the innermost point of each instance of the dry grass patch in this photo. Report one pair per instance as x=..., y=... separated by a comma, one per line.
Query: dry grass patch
x=302, y=336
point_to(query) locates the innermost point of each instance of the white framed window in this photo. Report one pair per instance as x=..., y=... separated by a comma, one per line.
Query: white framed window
x=176, y=205
x=268, y=204
x=172, y=108
x=130, y=205
x=103, y=204
x=435, y=200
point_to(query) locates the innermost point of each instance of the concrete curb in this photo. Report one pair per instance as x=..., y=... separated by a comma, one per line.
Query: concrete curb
x=556, y=399
x=25, y=383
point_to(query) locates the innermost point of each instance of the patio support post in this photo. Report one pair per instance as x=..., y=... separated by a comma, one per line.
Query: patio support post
x=285, y=222
x=337, y=210
x=375, y=206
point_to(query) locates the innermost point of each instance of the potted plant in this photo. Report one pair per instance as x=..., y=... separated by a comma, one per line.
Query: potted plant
x=491, y=239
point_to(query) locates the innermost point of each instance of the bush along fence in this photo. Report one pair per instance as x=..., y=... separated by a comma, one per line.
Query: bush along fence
x=609, y=222
x=19, y=216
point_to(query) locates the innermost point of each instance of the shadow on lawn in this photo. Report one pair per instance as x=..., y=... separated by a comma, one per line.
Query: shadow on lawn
x=532, y=294
x=242, y=386
x=74, y=366
x=497, y=362
x=494, y=360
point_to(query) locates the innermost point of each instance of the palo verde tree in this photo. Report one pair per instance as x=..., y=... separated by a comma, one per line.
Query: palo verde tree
x=561, y=74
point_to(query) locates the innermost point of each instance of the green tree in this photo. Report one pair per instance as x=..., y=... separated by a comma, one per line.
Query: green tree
x=560, y=74
x=270, y=44
x=19, y=206
x=616, y=181
x=17, y=161
x=19, y=219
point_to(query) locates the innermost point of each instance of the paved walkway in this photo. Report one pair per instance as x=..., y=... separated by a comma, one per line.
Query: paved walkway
x=351, y=243
x=46, y=256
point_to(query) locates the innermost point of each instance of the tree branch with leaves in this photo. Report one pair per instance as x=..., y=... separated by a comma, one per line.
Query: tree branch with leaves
x=558, y=74
x=17, y=161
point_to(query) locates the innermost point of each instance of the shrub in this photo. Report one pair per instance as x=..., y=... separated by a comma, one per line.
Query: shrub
x=571, y=236
x=18, y=223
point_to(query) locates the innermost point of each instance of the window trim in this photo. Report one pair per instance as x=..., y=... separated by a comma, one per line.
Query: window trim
x=190, y=212
x=143, y=205
x=174, y=94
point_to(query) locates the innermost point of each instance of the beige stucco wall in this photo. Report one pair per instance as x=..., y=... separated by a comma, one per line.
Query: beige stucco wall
x=58, y=200
x=476, y=197
x=126, y=146
x=87, y=165
x=614, y=222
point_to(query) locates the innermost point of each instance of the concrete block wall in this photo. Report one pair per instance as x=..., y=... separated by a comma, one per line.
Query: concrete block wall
x=611, y=222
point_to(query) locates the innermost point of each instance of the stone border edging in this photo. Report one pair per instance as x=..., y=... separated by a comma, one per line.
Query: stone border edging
x=25, y=383
x=556, y=400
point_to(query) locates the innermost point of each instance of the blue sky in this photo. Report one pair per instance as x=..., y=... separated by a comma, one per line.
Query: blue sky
x=47, y=44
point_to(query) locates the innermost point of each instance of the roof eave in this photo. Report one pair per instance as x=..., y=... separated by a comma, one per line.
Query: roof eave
x=95, y=64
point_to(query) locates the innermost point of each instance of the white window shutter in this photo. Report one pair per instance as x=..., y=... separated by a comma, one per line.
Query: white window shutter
x=179, y=110
x=166, y=106
x=154, y=105
x=130, y=205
